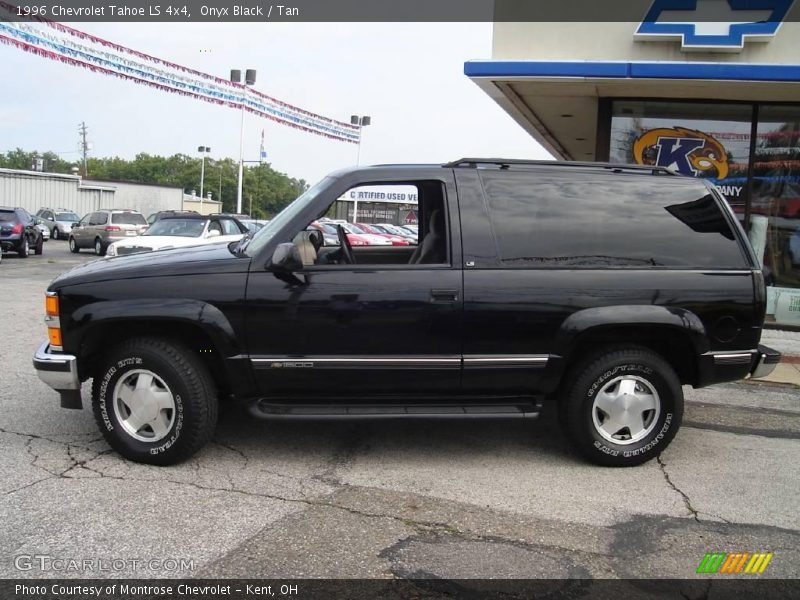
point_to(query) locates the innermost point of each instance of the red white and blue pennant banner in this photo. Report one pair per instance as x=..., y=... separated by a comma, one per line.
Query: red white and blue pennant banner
x=67, y=45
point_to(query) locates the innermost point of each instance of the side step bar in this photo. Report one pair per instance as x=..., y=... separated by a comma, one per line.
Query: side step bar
x=265, y=409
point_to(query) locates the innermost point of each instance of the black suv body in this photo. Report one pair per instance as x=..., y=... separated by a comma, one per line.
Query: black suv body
x=603, y=288
x=18, y=232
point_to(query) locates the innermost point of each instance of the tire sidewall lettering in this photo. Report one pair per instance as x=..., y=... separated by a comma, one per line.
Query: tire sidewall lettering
x=104, y=401
x=655, y=439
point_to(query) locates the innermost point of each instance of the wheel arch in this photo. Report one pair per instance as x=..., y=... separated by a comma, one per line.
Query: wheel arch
x=676, y=334
x=199, y=326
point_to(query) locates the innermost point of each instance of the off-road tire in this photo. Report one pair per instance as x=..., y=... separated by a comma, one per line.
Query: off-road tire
x=588, y=379
x=193, y=390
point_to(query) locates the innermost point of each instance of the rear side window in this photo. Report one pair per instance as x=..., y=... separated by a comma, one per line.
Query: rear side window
x=618, y=221
x=128, y=219
x=7, y=215
x=230, y=227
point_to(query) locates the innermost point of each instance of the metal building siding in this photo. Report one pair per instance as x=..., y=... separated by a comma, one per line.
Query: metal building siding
x=33, y=191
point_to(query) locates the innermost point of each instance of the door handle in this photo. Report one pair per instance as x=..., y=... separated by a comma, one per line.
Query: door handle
x=444, y=296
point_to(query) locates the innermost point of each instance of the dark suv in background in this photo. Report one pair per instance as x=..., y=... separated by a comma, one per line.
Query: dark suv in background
x=601, y=289
x=100, y=229
x=18, y=232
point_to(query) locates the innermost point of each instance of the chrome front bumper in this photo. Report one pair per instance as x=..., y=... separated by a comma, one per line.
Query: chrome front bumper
x=60, y=372
x=766, y=361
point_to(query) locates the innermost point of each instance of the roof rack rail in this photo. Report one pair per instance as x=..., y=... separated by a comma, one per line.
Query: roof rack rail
x=507, y=163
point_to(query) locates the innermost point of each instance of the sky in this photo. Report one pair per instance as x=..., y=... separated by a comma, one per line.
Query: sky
x=407, y=76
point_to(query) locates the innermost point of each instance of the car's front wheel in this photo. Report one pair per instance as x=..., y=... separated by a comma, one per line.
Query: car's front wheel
x=73, y=245
x=154, y=401
x=39, y=248
x=623, y=406
x=54, y=233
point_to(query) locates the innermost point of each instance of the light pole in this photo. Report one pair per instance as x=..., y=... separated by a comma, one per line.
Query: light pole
x=249, y=79
x=203, y=150
x=361, y=122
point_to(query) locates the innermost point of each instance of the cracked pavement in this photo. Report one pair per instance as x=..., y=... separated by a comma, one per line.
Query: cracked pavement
x=382, y=499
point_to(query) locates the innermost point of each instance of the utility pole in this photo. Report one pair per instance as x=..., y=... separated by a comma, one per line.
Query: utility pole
x=83, y=130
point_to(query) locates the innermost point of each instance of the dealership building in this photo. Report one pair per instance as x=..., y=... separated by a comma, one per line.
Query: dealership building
x=716, y=99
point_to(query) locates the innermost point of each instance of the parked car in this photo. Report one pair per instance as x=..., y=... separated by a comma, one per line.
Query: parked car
x=600, y=289
x=169, y=213
x=395, y=239
x=100, y=229
x=59, y=221
x=44, y=231
x=253, y=225
x=18, y=232
x=370, y=238
x=179, y=231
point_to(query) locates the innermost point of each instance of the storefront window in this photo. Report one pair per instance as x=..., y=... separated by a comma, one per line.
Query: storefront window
x=775, y=209
x=711, y=141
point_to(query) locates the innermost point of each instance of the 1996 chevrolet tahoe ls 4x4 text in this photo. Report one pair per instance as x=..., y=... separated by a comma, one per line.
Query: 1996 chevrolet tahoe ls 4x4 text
x=601, y=287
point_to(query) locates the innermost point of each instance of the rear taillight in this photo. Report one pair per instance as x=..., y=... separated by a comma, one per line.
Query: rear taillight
x=17, y=228
x=113, y=228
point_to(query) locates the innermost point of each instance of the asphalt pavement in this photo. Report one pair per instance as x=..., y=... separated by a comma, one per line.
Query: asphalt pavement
x=381, y=499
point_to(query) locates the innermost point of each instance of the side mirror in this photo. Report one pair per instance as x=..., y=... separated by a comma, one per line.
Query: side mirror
x=286, y=259
x=213, y=233
x=73, y=226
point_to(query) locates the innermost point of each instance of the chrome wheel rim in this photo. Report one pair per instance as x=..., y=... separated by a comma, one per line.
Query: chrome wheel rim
x=144, y=405
x=626, y=410
x=98, y=247
x=72, y=244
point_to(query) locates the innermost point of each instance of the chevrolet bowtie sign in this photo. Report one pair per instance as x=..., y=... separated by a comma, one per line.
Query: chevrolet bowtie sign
x=713, y=25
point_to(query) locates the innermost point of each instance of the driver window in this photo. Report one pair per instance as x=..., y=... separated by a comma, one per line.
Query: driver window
x=402, y=223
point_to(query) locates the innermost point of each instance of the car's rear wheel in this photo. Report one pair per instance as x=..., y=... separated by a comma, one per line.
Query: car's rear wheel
x=73, y=245
x=99, y=249
x=623, y=407
x=154, y=401
x=24, y=247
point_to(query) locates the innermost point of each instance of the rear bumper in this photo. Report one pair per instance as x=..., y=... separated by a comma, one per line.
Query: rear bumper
x=766, y=361
x=719, y=367
x=60, y=372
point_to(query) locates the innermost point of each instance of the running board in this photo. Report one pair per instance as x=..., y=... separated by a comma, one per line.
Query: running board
x=264, y=409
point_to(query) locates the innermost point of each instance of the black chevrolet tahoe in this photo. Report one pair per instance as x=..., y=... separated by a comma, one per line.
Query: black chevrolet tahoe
x=600, y=289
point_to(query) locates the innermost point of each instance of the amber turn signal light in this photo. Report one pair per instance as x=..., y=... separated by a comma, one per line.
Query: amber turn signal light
x=51, y=305
x=54, y=335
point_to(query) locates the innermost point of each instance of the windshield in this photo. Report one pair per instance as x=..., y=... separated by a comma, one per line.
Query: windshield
x=68, y=216
x=350, y=228
x=329, y=229
x=266, y=233
x=178, y=227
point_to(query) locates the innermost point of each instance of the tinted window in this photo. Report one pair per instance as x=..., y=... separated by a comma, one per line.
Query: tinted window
x=98, y=218
x=7, y=215
x=128, y=219
x=179, y=227
x=607, y=221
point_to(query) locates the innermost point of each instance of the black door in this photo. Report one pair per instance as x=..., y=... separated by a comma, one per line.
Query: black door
x=346, y=332
x=350, y=331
